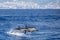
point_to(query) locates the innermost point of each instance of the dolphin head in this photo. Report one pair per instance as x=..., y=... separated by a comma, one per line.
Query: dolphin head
x=32, y=29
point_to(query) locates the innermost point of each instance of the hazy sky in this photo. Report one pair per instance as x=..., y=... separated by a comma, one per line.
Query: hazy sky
x=37, y=1
x=46, y=3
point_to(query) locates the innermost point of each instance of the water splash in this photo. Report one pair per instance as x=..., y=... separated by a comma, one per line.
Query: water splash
x=16, y=33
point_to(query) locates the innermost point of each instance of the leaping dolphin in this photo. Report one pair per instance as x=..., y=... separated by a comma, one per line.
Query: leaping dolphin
x=26, y=29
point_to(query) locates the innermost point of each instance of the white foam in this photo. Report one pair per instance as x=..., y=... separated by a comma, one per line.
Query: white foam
x=16, y=33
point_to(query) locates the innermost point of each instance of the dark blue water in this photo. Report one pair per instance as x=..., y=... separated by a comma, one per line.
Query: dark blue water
x=47, y=21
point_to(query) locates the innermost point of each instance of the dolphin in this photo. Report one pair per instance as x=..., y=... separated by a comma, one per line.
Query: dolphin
x=26, y=29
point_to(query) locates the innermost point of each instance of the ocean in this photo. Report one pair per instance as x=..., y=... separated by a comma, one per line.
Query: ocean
x=46, y=21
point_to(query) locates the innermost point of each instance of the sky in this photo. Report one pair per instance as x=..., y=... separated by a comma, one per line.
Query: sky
x=29, y=4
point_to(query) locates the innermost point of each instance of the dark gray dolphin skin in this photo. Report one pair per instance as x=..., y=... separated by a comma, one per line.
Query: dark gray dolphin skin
x=26, y=29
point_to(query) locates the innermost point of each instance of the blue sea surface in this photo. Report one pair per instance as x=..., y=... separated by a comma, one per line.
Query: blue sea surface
x=47, y=21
